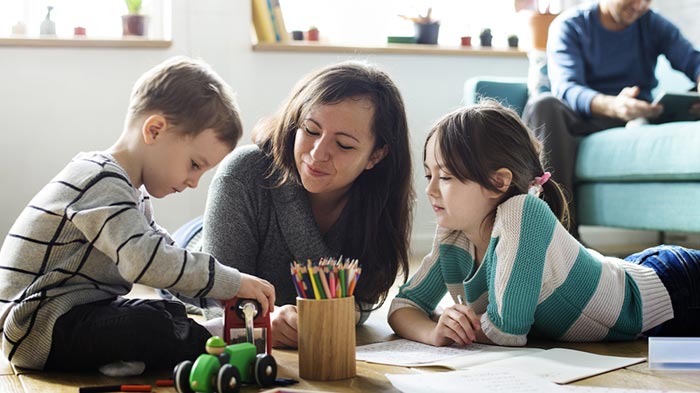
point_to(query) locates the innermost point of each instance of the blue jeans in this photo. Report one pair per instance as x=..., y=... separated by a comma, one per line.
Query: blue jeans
x=679, y=271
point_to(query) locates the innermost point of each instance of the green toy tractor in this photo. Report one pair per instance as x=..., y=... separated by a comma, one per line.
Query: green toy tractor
x=224, y=368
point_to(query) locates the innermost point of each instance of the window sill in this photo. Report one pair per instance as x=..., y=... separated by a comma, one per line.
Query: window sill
x=410, y=49
x=85, y=42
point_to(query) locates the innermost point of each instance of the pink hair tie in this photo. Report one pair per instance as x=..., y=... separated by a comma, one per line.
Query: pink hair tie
x=540, y=180
x=535, y=186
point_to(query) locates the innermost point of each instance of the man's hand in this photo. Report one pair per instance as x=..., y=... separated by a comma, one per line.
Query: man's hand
x=625, y=106
x=459, y=324
x=256, y=288
x=284, y=327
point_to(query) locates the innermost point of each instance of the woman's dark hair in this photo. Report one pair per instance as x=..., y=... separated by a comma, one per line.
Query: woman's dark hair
x=478, y=140
x=381, y=225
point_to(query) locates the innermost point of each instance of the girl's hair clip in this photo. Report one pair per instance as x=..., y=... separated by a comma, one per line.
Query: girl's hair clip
x=535, y=187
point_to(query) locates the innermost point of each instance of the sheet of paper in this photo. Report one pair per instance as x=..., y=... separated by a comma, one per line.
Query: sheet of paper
x=409, y=353
x=490, y=353
x=564, y=365
x=491, y=380
x=591, y=389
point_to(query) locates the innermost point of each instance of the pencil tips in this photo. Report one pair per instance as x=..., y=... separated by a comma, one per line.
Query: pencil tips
x=326, y=279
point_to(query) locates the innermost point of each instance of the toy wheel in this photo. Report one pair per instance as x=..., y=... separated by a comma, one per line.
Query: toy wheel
x=228, y=380
x=265, y=370
x=181, y=376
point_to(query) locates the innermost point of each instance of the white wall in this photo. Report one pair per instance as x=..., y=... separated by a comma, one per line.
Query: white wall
x=55, y=102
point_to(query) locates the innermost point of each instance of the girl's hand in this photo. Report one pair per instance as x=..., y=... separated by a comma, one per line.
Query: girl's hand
x=256, y=288
x=284, y=327
x=457, y=325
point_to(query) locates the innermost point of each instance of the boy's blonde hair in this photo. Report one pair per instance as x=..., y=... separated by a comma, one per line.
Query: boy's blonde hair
x=191, y=96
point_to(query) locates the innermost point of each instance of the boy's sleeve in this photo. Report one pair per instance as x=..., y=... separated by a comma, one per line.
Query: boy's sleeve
x=524, y=229
x=426, y=287
x=107, y=214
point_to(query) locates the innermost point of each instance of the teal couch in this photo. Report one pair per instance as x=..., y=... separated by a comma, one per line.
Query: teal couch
x=647, y=177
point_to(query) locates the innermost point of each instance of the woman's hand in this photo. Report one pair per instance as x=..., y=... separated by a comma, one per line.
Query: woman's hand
x=284, y=327
x=458, y=324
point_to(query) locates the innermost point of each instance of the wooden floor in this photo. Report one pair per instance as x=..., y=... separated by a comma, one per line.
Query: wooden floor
x=638, y=376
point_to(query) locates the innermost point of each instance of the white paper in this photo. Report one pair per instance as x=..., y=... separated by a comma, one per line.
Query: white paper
x=590, y=389
x=556, y=365
x=564, y=365
x=404, y=352
x=492, y=380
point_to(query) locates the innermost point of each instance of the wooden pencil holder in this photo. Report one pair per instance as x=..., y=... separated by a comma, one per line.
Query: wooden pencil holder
x=326, y=338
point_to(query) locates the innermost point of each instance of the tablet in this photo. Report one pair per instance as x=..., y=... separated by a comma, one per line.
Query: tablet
x=676, y=106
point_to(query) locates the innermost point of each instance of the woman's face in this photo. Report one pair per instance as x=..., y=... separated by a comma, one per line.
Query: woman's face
x=334, y=145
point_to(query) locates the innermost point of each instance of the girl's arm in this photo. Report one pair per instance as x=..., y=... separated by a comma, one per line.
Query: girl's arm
x=459, y=325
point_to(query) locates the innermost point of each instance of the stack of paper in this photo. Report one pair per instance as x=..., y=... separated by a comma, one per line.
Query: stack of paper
x=556, y=365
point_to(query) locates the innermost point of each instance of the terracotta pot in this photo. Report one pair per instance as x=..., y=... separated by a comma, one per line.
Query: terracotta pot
x=539, y=26
x=134, y=25
x=466, y=41
x=312, y=35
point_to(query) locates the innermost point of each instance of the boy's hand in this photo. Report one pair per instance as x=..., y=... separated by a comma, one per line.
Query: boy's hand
x=457, y=325
x=284, y=327
x=256, y=288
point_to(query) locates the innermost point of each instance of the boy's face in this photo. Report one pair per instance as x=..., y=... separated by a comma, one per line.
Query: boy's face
x=174, y=162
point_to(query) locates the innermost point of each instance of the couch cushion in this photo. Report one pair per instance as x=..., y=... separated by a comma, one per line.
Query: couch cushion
x=663, y=152
x=661, y=206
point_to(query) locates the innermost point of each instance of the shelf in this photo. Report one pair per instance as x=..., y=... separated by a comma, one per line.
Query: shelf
x=410, y=49
x=85, y=42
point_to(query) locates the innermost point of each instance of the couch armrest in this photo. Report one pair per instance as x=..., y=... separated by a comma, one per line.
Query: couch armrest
x=510, y=91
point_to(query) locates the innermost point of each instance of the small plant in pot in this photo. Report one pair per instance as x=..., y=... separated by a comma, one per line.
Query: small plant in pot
x=513, y=41
x=312, y=34
x=485, y=37
x=134, y=23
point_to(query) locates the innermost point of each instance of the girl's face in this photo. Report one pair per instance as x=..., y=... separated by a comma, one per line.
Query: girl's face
x=457, y=205
x=334, y=145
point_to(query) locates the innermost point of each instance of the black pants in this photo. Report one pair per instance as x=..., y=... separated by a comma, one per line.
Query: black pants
x=559, y=128
x=156, y=332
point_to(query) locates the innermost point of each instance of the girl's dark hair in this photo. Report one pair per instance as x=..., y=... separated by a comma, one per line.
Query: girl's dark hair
x=478, y=140
x=381, y=225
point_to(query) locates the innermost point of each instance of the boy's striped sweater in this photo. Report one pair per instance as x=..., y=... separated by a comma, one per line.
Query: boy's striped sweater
x=535, y=278
x=87, y=236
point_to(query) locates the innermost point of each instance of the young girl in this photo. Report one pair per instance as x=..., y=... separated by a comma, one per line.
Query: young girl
x=501, y=245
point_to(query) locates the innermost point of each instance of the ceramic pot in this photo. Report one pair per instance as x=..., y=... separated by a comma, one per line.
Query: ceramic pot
x=134, y=25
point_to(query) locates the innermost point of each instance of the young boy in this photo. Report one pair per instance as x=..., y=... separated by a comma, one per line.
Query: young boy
x=89, y=234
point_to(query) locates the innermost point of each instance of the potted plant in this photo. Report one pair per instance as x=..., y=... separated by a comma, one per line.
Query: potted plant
x=133, y=23
x=312, y=34
x=538, y=17
x=426, y=28
x=513, y=41
x=485, y=37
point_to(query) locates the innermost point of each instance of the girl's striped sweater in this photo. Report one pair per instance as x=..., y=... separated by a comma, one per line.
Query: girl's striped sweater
x=535, y=278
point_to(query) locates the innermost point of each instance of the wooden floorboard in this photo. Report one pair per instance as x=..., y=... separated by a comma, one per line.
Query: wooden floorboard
x=10, y=384
x=5, y=367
